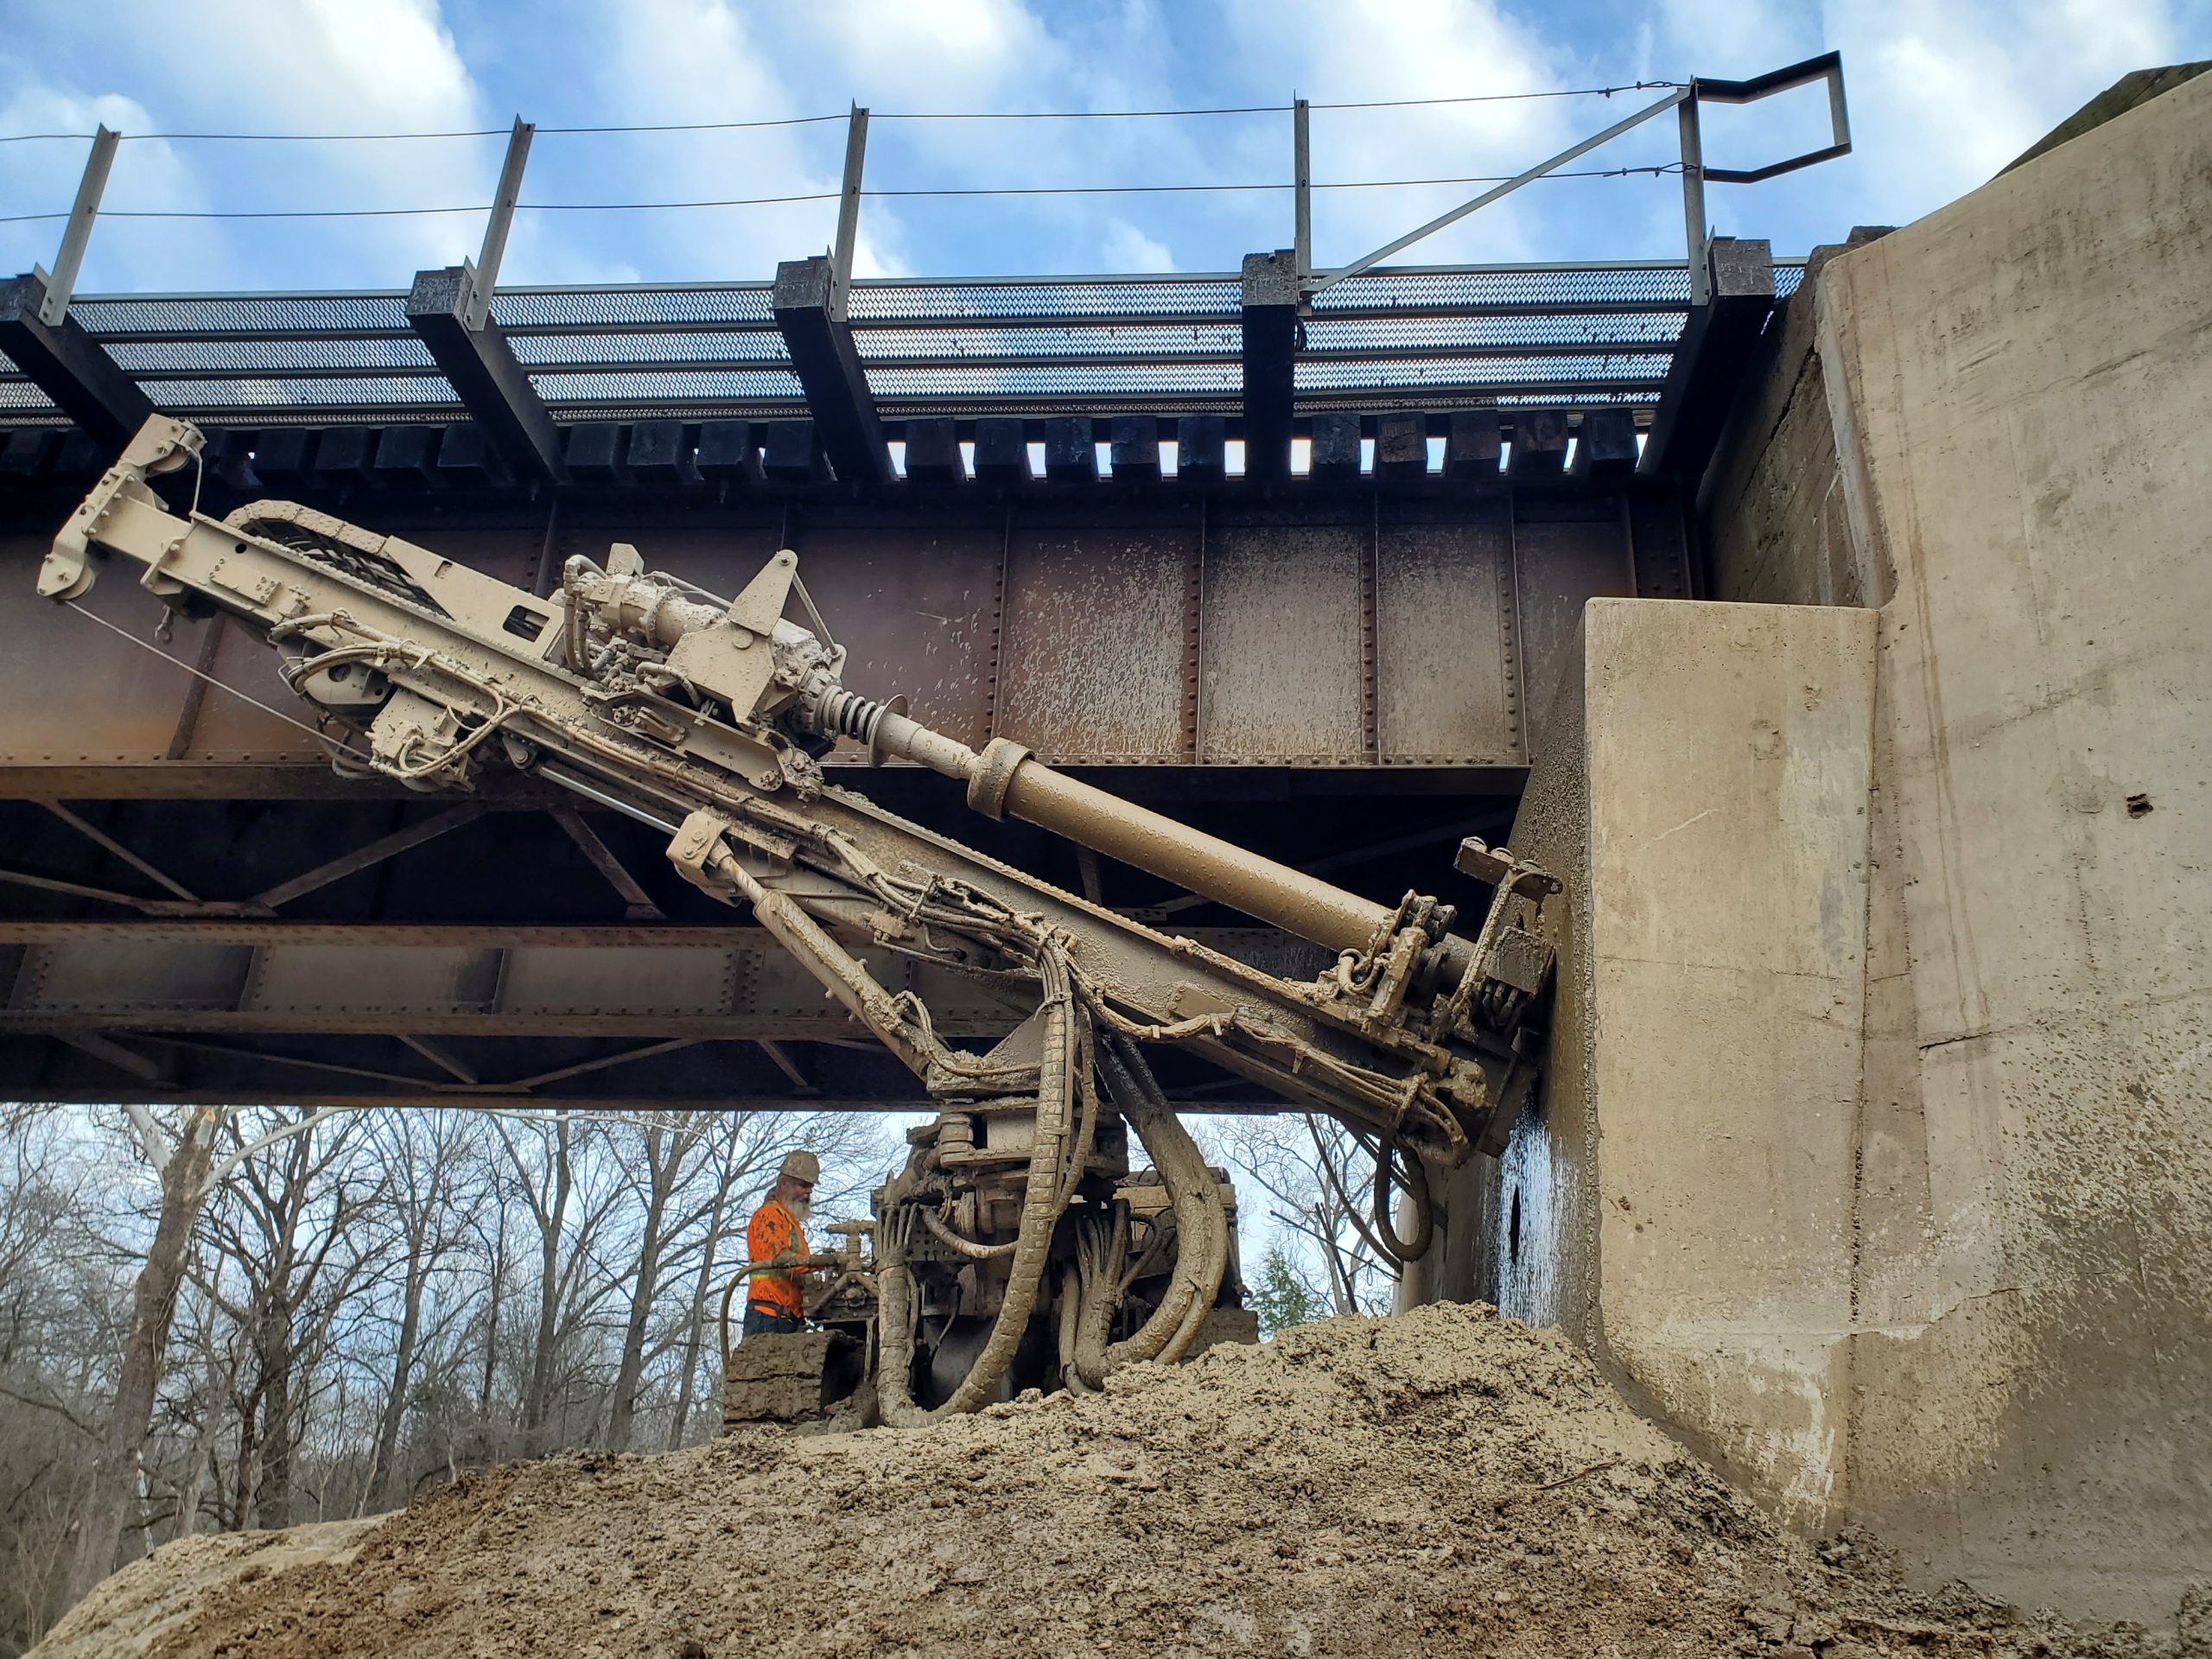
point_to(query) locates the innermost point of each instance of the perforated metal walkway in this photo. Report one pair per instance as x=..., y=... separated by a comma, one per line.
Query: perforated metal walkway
x=1501, y=336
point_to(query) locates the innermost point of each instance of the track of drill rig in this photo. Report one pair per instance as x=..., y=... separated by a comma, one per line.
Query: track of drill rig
x=1016, y=1247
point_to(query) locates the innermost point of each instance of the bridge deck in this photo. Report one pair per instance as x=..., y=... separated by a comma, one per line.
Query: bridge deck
x=1501, y=336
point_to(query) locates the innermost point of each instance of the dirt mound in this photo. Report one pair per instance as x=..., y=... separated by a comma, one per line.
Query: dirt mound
x=1444, y=1482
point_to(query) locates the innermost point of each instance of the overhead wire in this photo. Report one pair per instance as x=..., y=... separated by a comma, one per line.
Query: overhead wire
x=832, y=195
x=880, y=115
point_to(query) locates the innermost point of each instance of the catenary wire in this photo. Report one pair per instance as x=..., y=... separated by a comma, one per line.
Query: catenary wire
x=885, y=115
x=832, y=195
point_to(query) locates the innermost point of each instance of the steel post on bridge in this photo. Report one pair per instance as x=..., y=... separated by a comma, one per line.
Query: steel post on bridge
x=450, y=311
x=812, y=311
x=50, y=347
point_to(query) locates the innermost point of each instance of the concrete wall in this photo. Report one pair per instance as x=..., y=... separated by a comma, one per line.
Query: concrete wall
x=1684, y=1193
x=2022, y=385
x=1771, y=517
x=1875, y=1157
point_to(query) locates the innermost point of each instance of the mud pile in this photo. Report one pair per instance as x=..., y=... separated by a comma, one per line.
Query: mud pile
x=1440, y=1483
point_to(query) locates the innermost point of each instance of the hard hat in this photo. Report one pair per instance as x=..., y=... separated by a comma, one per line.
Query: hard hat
x=801, y=1166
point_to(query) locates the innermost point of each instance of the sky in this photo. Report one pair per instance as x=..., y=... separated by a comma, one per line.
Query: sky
x=1943, y=93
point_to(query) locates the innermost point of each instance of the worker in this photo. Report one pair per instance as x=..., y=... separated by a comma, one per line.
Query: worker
x=777, y=1233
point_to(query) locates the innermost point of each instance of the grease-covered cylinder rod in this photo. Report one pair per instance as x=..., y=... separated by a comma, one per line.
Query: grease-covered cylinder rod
x=1006, y=778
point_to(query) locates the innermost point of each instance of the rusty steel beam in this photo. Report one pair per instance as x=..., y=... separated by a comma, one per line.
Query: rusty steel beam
x=628, y=1056
x=69, y=365
x=1709, y=362
x=637, y=905
x=367, y=1099
x=237, y=977
x=231, y=928
x=128, y=1061
x=102, y=895
x=1271, y=336
x=492, y=383
x=101, y=838
x=442, y=1057
x=820, y=340
x=788, y=1066
x=1055, y=627
x=362, y=858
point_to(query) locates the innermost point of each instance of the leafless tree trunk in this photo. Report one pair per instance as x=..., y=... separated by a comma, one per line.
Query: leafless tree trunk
x=496, y=1286
x=1315, y=1171
x=547, y=1190
x=184, y=1174
x=216, y=1381
x=667, y=1148
x=294, y=1208
x=337, y=1350
x=701, y=1294
x=423, y=1173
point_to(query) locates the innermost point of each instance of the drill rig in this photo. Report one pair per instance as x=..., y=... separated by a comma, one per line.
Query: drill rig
x=1014, y=1249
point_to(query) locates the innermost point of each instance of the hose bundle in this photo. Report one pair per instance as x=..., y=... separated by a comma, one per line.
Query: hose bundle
x=1045, y=1194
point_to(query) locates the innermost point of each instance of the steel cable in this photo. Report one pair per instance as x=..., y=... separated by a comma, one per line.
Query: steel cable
x=918, y=192
x=881, y=115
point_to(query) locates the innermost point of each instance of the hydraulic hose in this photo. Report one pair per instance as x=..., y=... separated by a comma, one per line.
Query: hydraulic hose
x=942, y=1230
x=1040, y=1213
x=1208, y=1286
x=1201, y=1227
x=1416, y=1196
x=1070, y=1307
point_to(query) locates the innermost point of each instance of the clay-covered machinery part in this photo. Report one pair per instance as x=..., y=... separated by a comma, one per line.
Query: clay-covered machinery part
x=1007, y=1248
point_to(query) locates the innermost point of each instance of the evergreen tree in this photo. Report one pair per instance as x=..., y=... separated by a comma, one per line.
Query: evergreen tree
x=1282, y=1296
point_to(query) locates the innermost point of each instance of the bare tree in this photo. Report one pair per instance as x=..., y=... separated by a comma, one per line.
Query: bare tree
x=282, y=1313
x=288, y=1226
x=733, y=1159
x=1316, y=1175
x=668, y=1145
x=563, y=1185
x=52, y=1316
x=428, y=1161
x=180, y=1146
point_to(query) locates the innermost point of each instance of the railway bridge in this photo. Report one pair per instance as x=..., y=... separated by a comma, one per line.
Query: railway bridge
x=1304, y=572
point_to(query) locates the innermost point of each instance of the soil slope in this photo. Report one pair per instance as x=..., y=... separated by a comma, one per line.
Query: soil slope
x=1441, y=1483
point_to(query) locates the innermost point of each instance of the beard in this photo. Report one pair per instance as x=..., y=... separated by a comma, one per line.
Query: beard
x=800, y=1208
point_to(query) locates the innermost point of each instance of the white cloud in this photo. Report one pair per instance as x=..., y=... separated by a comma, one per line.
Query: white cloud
x=1942, y=95
x=1126, y=248
x=1945, y=97
x=231, y=66
x=42, y=178
x=677, y=61
x=945, y=55
x=1334, y=51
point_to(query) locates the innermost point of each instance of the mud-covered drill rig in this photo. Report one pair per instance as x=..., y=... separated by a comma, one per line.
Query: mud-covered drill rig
x=1014, y=1249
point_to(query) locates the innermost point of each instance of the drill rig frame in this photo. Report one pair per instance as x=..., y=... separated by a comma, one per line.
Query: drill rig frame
x=706, y=718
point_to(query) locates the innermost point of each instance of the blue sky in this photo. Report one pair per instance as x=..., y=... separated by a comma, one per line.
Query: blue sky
x=1942, y=95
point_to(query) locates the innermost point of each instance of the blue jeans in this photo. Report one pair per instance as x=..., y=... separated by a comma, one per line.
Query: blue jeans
x=764, y=1321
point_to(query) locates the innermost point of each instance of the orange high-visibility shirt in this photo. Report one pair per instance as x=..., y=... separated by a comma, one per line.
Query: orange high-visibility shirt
x=772, y=1230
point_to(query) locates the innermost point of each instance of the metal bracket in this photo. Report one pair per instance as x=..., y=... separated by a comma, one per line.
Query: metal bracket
x=61, y=281
x=1502, y=982
x=484, y=275
x=1828, y=67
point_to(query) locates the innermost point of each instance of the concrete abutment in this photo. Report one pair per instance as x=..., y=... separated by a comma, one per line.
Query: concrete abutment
x=1875, y=1156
